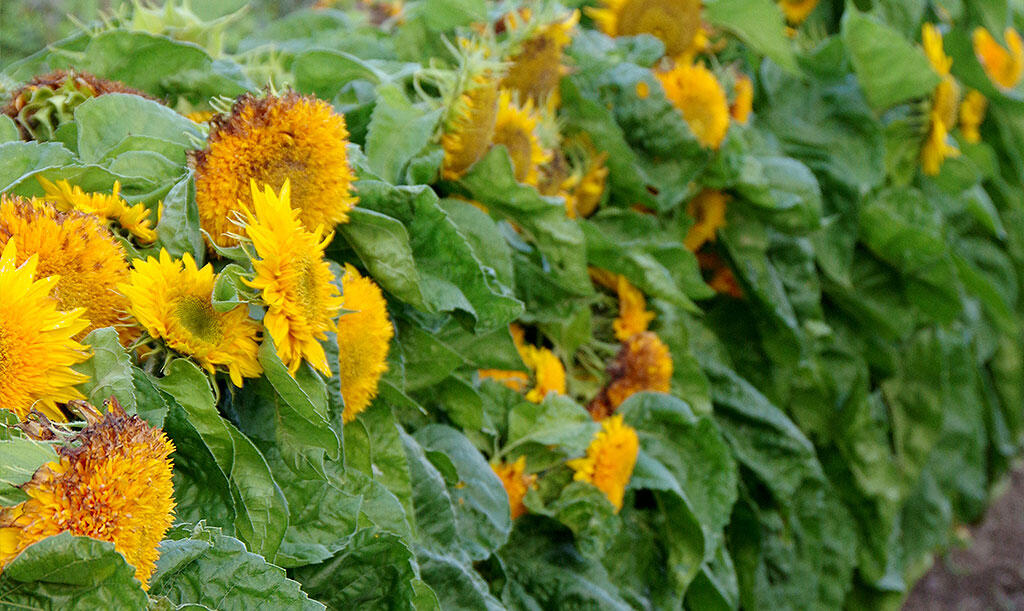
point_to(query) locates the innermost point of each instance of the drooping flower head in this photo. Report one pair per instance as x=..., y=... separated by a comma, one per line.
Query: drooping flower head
x=172, y=300
x=1003, y=66
x=695, y=91
x=796, y=11
x=37, y=349
x=972, y=114
x=472, y=103
x=364, y=337
x=537, y=68
x=294, y=279
x=109, y=207
x=270, y=140
x=643, y=363
x=111, y=481
x=78, y=250
x=707, y=210
x=676, y=22
x=516, y=481
x=516, y=128
x=610, y=459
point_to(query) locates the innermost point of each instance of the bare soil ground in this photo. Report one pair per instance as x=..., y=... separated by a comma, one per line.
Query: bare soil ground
x=989, y=573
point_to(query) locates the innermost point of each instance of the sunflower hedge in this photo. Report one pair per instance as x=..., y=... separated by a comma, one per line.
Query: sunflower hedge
x=466, y=304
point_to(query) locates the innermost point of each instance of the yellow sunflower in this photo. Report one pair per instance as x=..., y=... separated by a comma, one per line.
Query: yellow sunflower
x=111, y=481
x=676, y=22
x=77, y=249
x=583, y=189
x=364, y=337
x=516, y=128
x=743, y=100
x=633, y=315
x=643, y=363
x=547, y=370
x=708, y=212
x=931, y=40
x=172, y=301
x=470, y=127
x=942, y=116
x=695, y=91
x=112, y=208
x=516, y=481
x=610, y=459
x=270, y=140
x=1002, y=65
x=796, y=11
x=296, y=282
x=535, y=71
x=37, y=348
x=972, y=114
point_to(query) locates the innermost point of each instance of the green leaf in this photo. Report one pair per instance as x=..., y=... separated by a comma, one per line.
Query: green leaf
x=427, y=359
x=109, y=370
x=325, y=72
x=205, y=567
x=890, y=68
x=64, y=571
x=759, y=23
x=227, y=286
x=19, y=460
x=588, y=513
x=105, y=121
x=557, y=421
x=444, y=15
x=20, y=160
x=456, y=584
x=382, y=244
x=178, y=230
x=261, y=510
x=8, y=130
x=398, y=130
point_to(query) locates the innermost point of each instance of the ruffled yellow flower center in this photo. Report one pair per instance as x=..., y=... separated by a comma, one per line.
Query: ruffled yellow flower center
x=695, y=91
x=743, y=100
x=364, y=338
x=643, y=363
x=535, y=71
x=609, y=461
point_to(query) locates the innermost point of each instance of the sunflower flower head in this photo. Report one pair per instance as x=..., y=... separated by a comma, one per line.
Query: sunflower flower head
x=643, y=363
x=797, y=11
x=109, y=207
x=172, y=299
x=707, y=210
x=587, y=178
x=609, y=461
x=470, y=127
x=364, y=337
x=516, y=481
x=695, y=91
x=743, y=99
x=1003, y=65
x=269, y=140
x=516, y=127
x=937, y=146
x=633, y=314
x=37, y=346
x=677, y=23
x=972, y=114
x=537, y=68
x=931, y=40
x=111, y=481
x=294, y=279
x=547, y=370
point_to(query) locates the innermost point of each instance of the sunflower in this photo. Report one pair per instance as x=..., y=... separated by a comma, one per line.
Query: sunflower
x=112, y=208
x=77, y=249
x=695, y=91
x=270, y=140
x=583, y=189
x=931, y=40
x=111, y=481
x=633, y=315
x=37, y=349
x=945, y=99
x=708, y=212
x=295, y=280
x=643, y=363
x=516, y=128
x=1002, y=65
x=172, y=301
x=516, y=482
x=470, y=127
x=610, y=459
x=676, y=22
x=796, y=11
x=547, y=370
x=535, y=71
x=364, y=337
x=972, y=114
x=743, y=99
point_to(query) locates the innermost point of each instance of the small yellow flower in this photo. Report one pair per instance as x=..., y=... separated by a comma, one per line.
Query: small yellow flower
x=516, y=482
x=642, y=90
x=643, y=363
x=535, y=71
x=470, y=127
x=633, y=315
x=972, y=114
x=172, y=300
x=743, y=102
x=695, y=91
x=708, y=213
x=1002, y=65
x=937, y=147
x=548, y=371
x=36, y=346
x=583, y=189
x=931, y=40
x=796, y=11
x=364, y=337
x=295, y=281
x=676, y=22
x=111, y=208
x=610, y=459
x=516, y=129
x=111, y=482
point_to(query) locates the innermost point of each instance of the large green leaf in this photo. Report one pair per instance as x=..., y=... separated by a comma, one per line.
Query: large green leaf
x=19, y=460
x=109, y=370
x=398, y=130
x=758, y=23
x=104, y=122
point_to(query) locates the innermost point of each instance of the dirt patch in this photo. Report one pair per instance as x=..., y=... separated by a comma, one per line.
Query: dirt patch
x=989, y=574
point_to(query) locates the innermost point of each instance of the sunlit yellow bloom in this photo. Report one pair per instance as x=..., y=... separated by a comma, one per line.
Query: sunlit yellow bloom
x=931, y=40
x=972, y=114
x=172, y=301
x=643, y=363
x=111, y=482
x=270, y=140
x=109, y=207
x=610, y=459
x=470, y=127
x=548, y=371
x=535, y=71
x=516, y=481
x=295, y=281
x=1002, y=65
x=796, y=11
x=695, y=91
x=676, y=22
x=708, y=213
x=364, y=337
x=36, y=345
x=743, y=102
x=81, y=252
x=516, y=128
